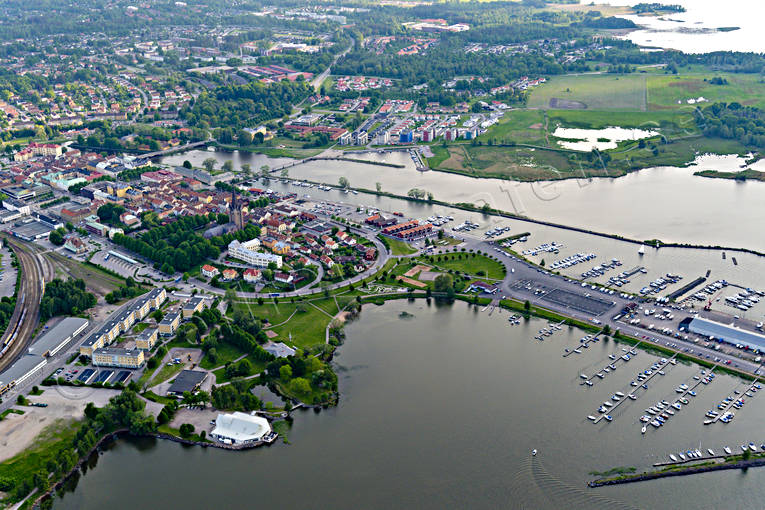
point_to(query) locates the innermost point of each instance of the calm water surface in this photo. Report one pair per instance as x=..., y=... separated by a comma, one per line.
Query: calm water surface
x=442, y=411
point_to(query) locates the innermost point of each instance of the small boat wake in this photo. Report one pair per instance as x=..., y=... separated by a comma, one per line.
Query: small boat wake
x=533, y=487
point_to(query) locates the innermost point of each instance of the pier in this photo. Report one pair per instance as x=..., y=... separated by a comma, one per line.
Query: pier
x=617, y=359
x=690, y=389
x=589, y=340
x=732, y=396
x=632, y=392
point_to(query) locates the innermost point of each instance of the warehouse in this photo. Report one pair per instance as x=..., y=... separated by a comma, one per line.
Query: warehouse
x=58, y=336
x=726, y=333
x=25, y=367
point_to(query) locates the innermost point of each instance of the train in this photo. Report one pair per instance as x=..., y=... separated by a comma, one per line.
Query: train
x=9, y=341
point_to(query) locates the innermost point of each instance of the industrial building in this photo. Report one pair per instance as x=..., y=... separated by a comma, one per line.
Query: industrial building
x=727, y=333
x=193, y=305
x=58, y=336
x=187, y=380
x=25, y=367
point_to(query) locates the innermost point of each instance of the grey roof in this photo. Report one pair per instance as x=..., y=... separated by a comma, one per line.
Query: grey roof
x=727, y=333
x=57, y=335
x=280, y=350
x=147, y=333
x=21, y=367
x=187, y=380
x=170, y=318
x=119, y=351
x=193, y=303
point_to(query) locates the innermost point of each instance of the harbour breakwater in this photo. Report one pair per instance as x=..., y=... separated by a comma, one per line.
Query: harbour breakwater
x=690, y=470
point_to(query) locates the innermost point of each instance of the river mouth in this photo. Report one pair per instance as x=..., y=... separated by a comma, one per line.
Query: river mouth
x=441, y=411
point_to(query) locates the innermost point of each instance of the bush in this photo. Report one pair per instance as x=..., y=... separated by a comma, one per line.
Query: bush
x=186, y=429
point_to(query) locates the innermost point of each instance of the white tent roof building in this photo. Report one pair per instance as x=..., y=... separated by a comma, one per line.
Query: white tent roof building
x=240, y=428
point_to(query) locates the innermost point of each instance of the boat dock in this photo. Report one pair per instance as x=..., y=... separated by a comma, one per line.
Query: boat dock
x=631, y=392
x=583, y=343
x=690, y=390
x=734, y=398
x=617, y=357
x=635, y=270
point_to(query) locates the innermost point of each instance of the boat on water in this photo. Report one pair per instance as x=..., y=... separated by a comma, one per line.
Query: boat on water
x=534, y=452
x=727, y=450
x=682, y=456
x=591, y=417
x=641, y=250
x=609, y=418
x=672, y=457
x=711, y=452
x=642, y=430
x=588, y=383
x=752, y=447
x=619, y=394
x=632, y=397
x=612, y=356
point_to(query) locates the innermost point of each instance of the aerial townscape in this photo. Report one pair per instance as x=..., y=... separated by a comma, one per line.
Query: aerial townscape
x=280, y=253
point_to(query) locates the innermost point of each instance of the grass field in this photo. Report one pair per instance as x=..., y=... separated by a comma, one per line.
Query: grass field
x=519, y=126
x=400, y=247
x=478, y=265
x=594, y=91
x=664, y=91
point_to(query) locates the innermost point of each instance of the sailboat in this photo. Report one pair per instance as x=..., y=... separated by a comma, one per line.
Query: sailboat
x=641, y=250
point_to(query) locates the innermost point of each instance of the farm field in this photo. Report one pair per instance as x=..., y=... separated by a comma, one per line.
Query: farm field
x=664, y=91
x=592, y=92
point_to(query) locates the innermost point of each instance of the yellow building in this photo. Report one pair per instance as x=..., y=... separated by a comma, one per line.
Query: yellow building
x=118, y=189
x=169, y=324
x=193, y=305
x=117, y=357
x=147, y=339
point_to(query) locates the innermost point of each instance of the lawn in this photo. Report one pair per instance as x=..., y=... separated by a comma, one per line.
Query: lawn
x=664, y=91
x=400, y=247
x=476, y=265
x=306, y=326
x=669, y=123
x=592, y=92
x=167, y=372
x=97, y=280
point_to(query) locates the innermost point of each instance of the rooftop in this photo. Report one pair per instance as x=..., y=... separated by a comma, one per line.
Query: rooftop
x=187, y=380
x=58, y=334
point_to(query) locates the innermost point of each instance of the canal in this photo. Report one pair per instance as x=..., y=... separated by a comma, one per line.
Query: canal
x=440, y=411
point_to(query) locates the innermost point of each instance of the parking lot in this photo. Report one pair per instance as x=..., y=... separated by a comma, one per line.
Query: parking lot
x=116, y=264
x=8, y=274
x=580, y=302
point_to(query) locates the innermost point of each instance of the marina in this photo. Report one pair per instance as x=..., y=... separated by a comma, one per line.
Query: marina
x=732, y=401
x=680, y=400
x=623, y=356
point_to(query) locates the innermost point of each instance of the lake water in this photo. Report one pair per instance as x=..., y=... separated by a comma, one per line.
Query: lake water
x=694, y=31
x=442, y=411
x=666, y=203
x=601, y=139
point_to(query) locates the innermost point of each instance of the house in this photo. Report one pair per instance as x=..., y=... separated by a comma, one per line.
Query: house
x=210, y=271
x=279, y=349
x=251, y=275
x=481, y=287
x=370, y=254
x=327, y=261
x=230, y=274
x=246, y=252
x=75, y=245
x=283, y=277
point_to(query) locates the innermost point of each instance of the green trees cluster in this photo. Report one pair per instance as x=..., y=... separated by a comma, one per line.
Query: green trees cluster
x=57, y=236
x=173, y=247
x=235, y=396
x=110, y=213
x=243, y=105
x=65, y=298
x=127, y=291
x=746, y=124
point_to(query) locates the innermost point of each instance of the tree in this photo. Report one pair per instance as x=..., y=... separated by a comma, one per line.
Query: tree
x=527, y=305
x=228, y=166
x=300, y=386
x=264, y=171
x=343, y=182
x=443, y=283
x=378, y=187
x=209, y=164
x=186, y=429
x=230, y=296
x=246, y=169
x=56, y=238
x=285, y=172
x=187, y=164
x=285, y=373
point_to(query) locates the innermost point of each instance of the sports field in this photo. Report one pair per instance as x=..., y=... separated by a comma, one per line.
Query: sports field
x=592, y=92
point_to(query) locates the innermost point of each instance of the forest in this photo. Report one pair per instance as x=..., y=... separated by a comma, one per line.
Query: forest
x=65, y=297
x=745, y=124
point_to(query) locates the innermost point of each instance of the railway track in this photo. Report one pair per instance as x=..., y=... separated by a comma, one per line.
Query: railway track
x=26, y=315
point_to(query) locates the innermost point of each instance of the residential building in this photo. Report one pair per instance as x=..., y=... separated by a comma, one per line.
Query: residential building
x=251, y=275
x=230, y=274
x=246, y=253
x=147, y=339
x=210, y=271
x=193, y=305
x=118, y=357
x=169, y=323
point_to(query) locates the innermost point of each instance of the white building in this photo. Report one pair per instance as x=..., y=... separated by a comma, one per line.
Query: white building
x=246, y=252
x=240, y=428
